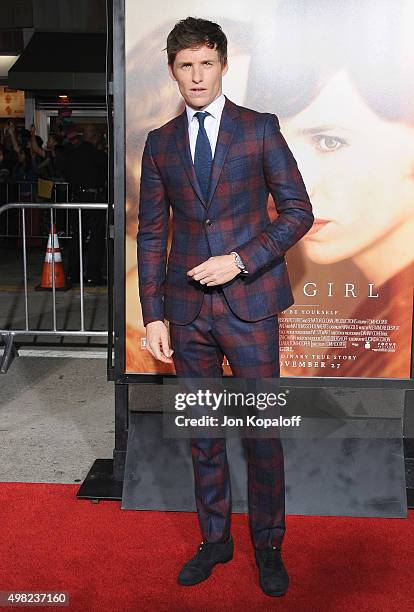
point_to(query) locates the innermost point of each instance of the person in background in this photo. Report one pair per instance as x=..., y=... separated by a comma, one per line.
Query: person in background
x=51, y=165
x=91, y=135
x=85, y=168
x=5, y=170
x=6, y=164
x=24, y=168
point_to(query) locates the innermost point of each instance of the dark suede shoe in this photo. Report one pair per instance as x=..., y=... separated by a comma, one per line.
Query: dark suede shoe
x=274, y=579
x=208, y=555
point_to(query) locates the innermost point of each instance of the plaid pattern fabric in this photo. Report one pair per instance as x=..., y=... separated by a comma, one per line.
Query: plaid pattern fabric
x=252, y=160
x=252, y=351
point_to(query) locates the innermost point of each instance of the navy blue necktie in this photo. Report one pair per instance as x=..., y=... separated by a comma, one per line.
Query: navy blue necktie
x=202, y=155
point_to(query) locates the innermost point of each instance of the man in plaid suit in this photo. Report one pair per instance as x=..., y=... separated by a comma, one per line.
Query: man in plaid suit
x=216, y=165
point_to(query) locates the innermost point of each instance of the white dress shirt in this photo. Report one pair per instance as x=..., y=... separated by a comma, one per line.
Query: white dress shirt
x=211, y=123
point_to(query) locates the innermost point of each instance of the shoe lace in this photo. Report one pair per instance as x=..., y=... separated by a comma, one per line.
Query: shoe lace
x=272, y=558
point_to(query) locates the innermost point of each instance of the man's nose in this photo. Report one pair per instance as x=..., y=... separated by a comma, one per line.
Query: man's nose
x=197, y=74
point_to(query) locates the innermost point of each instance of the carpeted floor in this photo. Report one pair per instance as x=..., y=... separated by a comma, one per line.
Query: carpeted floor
x=113, y=560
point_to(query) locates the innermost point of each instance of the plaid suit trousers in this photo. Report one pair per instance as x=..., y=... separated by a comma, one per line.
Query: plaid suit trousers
x=253, y=352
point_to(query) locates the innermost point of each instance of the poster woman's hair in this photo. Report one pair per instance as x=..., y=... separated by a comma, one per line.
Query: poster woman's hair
x=305, y=43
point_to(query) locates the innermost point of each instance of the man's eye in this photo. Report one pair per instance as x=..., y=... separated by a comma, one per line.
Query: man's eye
x=328, y=144
x=186, y=65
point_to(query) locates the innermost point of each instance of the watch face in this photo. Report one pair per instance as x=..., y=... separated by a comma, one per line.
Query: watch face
x=239, y=263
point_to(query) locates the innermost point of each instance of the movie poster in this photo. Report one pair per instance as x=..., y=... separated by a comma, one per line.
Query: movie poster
x=340, y=78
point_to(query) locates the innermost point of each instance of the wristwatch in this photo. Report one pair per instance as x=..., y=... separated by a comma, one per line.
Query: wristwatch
x=239, y=262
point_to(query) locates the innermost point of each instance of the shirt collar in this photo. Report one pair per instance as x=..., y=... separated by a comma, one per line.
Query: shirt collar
x=215, y=108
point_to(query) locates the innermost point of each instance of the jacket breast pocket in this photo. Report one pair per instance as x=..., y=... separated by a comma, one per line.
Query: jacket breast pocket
x=239, y=161
x=239, y=170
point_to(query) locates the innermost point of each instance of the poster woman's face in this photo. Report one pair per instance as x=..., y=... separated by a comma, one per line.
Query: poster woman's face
x=358, y=169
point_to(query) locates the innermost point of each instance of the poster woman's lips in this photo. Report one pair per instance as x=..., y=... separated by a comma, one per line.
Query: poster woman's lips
x=318, y=224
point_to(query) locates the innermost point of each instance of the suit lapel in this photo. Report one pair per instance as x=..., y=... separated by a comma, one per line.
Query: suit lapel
x=183, y=145
x=228, y=126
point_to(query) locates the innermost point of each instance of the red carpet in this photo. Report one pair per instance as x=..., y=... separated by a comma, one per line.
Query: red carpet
x=115, y=560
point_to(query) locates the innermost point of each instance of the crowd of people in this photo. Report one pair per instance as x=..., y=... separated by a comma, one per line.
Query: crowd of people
x=79, y=159
x=23, y=156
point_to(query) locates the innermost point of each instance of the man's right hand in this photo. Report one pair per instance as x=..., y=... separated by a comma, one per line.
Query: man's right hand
x=157, y=341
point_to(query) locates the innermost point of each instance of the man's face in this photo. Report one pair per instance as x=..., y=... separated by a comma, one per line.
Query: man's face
x=199, y=74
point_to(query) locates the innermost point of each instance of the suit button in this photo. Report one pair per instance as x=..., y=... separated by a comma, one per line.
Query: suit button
x=208, y=222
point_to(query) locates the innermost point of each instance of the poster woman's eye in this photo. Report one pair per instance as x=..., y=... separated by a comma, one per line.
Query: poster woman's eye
x=328, y=144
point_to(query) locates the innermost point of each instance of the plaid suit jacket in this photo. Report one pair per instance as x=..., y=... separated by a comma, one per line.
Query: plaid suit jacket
x=251, y=160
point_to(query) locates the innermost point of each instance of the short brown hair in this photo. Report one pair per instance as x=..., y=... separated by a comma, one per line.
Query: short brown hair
x=192, y=33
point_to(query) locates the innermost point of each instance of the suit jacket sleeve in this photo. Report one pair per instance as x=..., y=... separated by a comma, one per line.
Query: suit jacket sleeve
x=152, y=237
x=294, y=209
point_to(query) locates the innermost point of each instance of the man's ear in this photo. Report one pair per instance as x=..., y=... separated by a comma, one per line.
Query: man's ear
x=170, y=70
x=225, y=68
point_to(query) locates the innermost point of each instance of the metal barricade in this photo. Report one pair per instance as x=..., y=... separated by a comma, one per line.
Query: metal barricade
x=8, y=335
x=27, y=191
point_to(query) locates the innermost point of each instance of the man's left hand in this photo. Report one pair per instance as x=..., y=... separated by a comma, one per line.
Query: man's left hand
x=215, y=270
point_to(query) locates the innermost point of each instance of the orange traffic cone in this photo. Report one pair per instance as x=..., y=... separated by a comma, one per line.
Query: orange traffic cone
x=46, y=284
